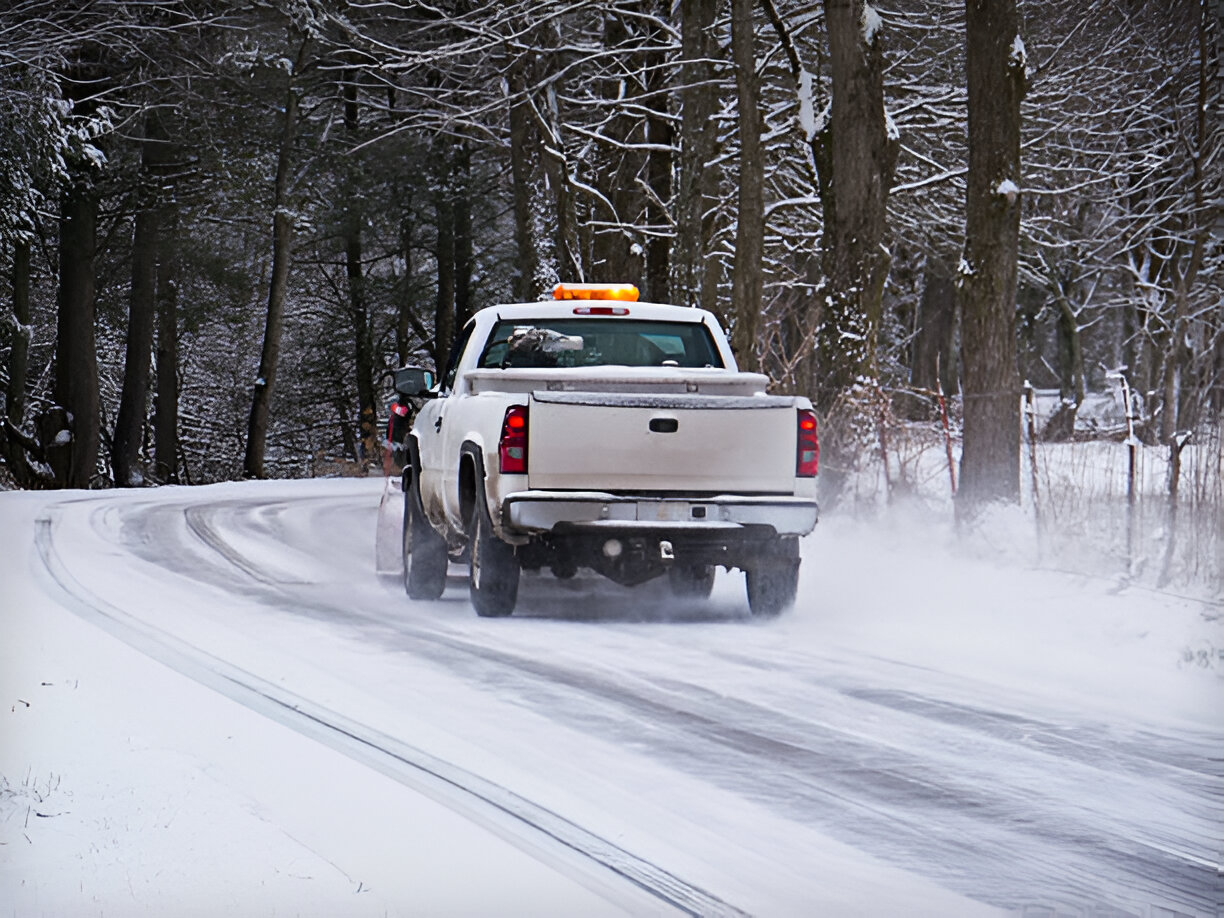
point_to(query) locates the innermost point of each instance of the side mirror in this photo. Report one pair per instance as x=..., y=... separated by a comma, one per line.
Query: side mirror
x=413, y=382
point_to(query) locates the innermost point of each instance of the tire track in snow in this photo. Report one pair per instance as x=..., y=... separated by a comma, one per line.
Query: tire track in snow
x=1004, y=836
x=490, y=805
x=1012, y=843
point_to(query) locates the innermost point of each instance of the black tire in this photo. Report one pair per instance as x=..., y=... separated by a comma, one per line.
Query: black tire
x=691, y=581
x=564, y=570
x=424, y=549
x=773, y=581
x=494, y=571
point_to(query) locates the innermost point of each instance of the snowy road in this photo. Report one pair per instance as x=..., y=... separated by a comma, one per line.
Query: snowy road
x=923, y=734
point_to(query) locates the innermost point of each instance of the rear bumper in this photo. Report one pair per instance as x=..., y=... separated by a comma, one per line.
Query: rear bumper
x=542, y=511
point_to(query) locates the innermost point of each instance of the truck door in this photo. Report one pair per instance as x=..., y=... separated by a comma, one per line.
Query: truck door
x=436, y=466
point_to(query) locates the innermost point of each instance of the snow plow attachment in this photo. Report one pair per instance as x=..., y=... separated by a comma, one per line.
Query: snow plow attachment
x=389, y=535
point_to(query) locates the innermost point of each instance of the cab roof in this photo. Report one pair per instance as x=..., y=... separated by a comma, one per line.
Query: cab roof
x=598, y=309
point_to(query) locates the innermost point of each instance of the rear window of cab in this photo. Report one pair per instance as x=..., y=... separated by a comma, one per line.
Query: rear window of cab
x=566, y=342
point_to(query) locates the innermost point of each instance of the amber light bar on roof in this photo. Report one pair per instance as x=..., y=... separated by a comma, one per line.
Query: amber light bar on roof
x=623, y=292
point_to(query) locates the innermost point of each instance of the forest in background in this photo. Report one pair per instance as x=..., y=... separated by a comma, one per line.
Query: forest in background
x=223, y=224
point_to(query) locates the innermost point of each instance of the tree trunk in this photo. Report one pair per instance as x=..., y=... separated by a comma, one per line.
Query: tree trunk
x=129, y=422
x=696, y=272
x=76, y=357
x=133, y=401
x=367, y=408
x=444, y=254
x=856, y=159
x=934, y=363
x=660, y=137
x=462, y=188
x=282, y=244
x=567, y=249
x=613, y=168
x=14, y=454
x=19, y=354
x=746, y=275
x=522, y=143
x=1070, y=351
x=1061, y=425
x=165, y=420
x=1177, y=357
x=990, y=461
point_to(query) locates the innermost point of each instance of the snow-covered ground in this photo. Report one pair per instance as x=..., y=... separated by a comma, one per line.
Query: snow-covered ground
x=213, y=704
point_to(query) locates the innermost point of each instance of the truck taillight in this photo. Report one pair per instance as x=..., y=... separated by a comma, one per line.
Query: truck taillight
x=807, y=453
x=512, y=449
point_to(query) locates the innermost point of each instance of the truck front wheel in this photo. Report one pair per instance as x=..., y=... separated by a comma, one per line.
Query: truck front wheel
x=773, y=581
x=424, y=549
x=494, y=577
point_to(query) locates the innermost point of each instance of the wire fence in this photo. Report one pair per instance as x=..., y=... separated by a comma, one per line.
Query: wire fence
x=1097, y=500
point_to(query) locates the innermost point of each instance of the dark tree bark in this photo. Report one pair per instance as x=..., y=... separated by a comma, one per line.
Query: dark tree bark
x=14, y=441
x=129, y=422
x=934, y=361
x=990, y=461
x=567, y=251
x=523, y=141
x=282, y=245
x=19, y=354
x=795, y=364
x=1070, y=348
x=165, y=419
x=367, y=408
x=746, y=275
x=133, y=402
x=855, y=160
x=1185, y=266
x=696, y=275
x=444, y=255
x=660, y=137
x=407, y=321
x=76, y=357
x=464, y=265
x=613, y=168
x=367, y=411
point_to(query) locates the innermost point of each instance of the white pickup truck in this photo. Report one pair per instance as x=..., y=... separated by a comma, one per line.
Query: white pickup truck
x=598, y=432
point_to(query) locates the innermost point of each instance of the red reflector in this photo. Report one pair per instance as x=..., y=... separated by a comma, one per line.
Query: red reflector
x=601, y=310
x=807, y=451
x=401, y=410
x=512, y=449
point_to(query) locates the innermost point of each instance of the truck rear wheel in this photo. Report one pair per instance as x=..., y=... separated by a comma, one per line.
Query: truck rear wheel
x=494, y=578
x=773, y=581
x=424, y=549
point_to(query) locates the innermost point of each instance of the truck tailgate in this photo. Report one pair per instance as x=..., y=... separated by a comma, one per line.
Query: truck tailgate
x=662, y=442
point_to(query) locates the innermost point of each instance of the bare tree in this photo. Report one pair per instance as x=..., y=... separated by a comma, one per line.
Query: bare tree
x=696, y=272
x=995, y=63
x=856, y=155
x=149, y=228
x=358, y=300
x=166, y=415
x=282, y=245
x=746, y=279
